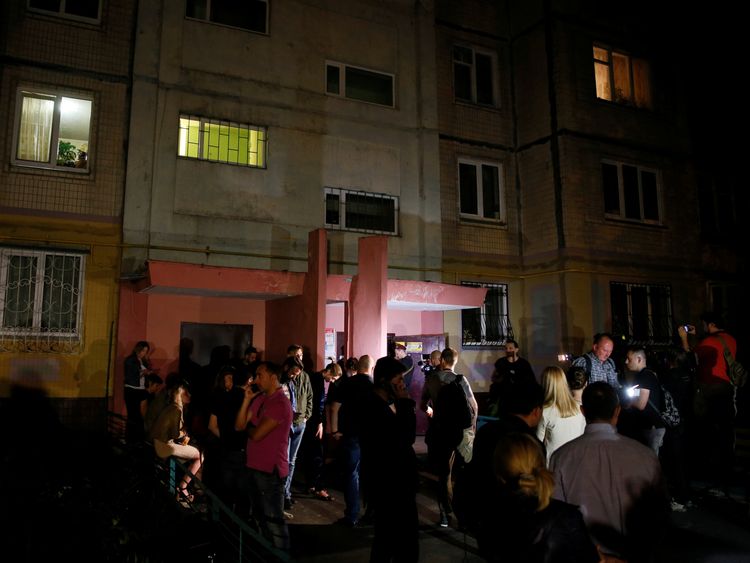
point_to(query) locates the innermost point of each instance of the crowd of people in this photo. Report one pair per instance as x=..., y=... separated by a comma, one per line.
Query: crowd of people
x=564, y=467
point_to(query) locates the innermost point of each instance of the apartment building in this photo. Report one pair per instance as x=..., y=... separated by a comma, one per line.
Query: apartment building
x=569, y=183
x=64, y=98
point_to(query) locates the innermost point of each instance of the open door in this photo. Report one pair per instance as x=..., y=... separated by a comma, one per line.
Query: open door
x=418, y=347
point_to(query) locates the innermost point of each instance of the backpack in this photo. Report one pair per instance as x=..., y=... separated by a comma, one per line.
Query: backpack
x=452, y=413
x=670, y=415
x=735, y=370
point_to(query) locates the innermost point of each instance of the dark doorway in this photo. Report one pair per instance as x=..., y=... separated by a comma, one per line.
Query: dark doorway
x=207, y=336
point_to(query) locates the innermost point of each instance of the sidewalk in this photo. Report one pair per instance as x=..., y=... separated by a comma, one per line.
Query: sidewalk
x=316, y=540
x=715, y=530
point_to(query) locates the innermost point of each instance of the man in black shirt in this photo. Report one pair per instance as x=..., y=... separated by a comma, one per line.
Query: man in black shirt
x=642, y=419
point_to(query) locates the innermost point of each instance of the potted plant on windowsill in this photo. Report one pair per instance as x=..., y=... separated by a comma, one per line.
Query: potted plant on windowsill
x=66, y=154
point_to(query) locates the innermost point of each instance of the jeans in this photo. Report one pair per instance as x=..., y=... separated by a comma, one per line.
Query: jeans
x=295, y=439
x=351, y=453
x=654, y=438
x=267, y=497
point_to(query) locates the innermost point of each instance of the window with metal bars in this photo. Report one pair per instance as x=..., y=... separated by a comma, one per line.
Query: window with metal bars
x=366, y=212
x=222, y=141
x=642, y=313
x=488, y=325
x=40, y=292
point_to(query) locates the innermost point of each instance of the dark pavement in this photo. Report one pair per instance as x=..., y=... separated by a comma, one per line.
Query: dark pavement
x=715, y=530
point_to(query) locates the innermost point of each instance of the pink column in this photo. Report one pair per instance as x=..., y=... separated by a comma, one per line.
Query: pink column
x=368, y=299
x=301, y=319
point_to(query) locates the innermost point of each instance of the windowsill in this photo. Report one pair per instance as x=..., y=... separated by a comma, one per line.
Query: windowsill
x=482, y=346
x=62, y=170
x=375, y=104
x=633, y=222
x=476, y=222
x=338, y=229
x=80, y=21
x=236, y=164
x=631, y=107
x=227, y=26
x=475, y=105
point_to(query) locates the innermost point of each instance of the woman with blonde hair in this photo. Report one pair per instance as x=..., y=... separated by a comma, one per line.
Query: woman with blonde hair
x=527, y=525
x=562, y=419
x=171, y=439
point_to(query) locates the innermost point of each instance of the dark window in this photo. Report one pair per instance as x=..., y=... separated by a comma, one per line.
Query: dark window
x=86, y=9
x=488, y=325
x=641, y=313
x=245, y=14
x=473, y=79
x=360, y=211
x=479, y=190
x=631, y=192
x=359, y=84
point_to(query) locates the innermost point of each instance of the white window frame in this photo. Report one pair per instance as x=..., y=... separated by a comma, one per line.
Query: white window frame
x=479, y=216
x=343, y=67
x=208, y=12
x=62, y=14
x=39, y=276
x=473, y=70
x=342, y=226
x=631, y=101
x=57, y=95
x=621, y=192
x=504, y=317
x=201, y=140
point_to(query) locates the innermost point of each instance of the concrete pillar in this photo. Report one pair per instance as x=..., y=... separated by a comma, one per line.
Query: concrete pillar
x=369, y=314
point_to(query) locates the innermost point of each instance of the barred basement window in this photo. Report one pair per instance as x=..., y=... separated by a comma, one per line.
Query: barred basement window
x=366, y=212
x=41, y=295
x=488, y=325
x=641, y=313
x=222, y=141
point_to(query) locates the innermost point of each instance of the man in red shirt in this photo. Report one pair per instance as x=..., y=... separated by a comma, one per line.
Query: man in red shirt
x=266, y=417
x=716, y=393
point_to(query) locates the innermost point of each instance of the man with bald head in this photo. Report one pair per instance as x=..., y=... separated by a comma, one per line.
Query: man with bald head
x=597, y=363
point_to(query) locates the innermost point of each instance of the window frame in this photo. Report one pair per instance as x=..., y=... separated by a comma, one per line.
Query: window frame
x=57, y=94
x=208, y=11
x=342, y=68
x=62, y=14
x=621, y=192
x=342, y=226
x=479, y=216
x=624, y=101
x=474, y=76
x=220, y=122
x=630, y=337
x=506, y=328
x=6, y=253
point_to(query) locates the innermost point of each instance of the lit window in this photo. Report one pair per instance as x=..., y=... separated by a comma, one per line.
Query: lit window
x=359, y=84
x=251, y=15
x=480, y=190
x=641, y=313
x=74, y=9
x=222, y=141
x=52, y=131
x=473, y=76
x=631, y=192
x=488, y=325
x=40, y=292
x=622, y=78
x=366, y=212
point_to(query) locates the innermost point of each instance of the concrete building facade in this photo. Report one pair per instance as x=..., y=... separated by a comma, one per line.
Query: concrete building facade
x=64, y=99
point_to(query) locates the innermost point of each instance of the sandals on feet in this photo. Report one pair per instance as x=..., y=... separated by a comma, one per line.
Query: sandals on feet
x=184, y=496
x=322, y=494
